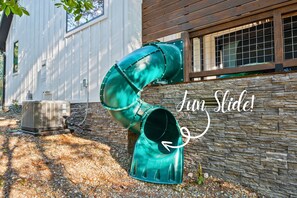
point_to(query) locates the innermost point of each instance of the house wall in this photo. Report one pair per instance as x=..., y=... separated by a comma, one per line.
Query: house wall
x=69, y=58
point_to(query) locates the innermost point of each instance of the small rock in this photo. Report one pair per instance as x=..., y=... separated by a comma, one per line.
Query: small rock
x=190, y=175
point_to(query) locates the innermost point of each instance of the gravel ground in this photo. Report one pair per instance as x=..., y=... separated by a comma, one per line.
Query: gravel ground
x=83, y=165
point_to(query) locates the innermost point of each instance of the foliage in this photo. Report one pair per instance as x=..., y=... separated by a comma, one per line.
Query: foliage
x=73, y=21
x=200, y=176
x=12, y=6
x=15, y=107
x=75, y=7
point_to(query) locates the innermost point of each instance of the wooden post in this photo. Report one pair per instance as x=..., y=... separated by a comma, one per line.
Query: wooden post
x=278, y=37
x=187, y=55
x=132, y=138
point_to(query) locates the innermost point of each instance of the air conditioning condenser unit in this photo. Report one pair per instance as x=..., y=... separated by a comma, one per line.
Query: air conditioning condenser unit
x=44, y=115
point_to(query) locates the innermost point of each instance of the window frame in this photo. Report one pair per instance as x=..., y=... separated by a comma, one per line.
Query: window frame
x=89, y=23
x=216, y=42
x=15, y=58
x=284, y=16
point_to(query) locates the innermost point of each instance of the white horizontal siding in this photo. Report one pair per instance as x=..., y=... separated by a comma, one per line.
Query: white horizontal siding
x=88, y=53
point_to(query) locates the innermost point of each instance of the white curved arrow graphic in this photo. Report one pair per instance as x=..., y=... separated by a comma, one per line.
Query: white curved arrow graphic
x=168, y=144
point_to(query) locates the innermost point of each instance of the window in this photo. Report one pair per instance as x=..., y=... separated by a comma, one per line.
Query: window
x=15, y=57
x=91, y=15
x=290, y=37
x=245, y=45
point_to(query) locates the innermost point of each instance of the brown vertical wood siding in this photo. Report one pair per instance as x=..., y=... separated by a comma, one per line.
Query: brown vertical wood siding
x=164, y=17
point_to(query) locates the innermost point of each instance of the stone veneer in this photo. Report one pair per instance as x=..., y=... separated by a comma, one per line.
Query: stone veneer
x=98, y=122
x=256, y=149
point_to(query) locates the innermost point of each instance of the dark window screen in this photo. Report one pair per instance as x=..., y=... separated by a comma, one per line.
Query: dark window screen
x=249, y=46
x=290, y=37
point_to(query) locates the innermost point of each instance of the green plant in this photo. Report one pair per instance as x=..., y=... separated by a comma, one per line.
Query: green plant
x=75, y=7
x=12, y=6
x=200, y=176
x=15, y=103
x=1, y=181
x=15, y=107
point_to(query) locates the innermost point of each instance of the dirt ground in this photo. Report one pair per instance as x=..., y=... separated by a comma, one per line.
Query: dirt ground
x=83, y=165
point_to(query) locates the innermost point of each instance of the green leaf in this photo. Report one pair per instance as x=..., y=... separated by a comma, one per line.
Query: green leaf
x=72, y=3
x=76, y=12
x=58, y=4
x=77, y=18
x=66, y=8
x=88, y=5
x=13, y=10
x=200, y=180
x=26, y=12
x=7, y=11
x=18, y=11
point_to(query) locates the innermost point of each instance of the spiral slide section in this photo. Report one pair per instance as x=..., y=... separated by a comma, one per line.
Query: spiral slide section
x=120, y=95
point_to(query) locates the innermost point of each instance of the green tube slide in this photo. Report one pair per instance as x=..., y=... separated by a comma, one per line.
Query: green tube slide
x=120, y=95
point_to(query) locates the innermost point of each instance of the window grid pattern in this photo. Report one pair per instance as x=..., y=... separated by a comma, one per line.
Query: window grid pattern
x=94, y=13
x=290, y=37
x=197, y=58
x=248, y=46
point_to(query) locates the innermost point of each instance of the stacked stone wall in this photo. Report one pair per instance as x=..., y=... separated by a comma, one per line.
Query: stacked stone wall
x=257, y=148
